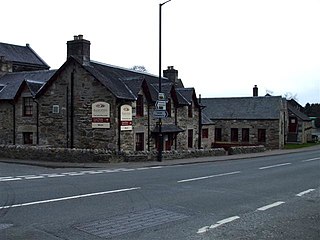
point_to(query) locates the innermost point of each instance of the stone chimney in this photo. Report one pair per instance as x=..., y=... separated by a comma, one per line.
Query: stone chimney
x=255, y=91
x=79, y=48
x=172, y=74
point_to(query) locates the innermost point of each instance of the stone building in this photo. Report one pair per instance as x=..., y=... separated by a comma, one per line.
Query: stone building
x=87, y=104
x=299, y=124
x=248, y=120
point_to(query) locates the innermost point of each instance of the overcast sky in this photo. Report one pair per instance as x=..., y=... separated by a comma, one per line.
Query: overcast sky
x=221, y=47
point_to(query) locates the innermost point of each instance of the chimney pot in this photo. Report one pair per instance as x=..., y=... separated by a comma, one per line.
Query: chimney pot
x=80, y=36
x=255, y=91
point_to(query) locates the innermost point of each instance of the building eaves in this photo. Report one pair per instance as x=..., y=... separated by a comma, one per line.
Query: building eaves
x=13, y=81
x=297, y=113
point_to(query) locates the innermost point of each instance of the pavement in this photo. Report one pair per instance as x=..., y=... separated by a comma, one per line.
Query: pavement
x=169, y=162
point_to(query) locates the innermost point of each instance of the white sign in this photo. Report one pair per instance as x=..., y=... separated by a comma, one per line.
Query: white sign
x=100, y=115
x=126, y=118
x=161, y=105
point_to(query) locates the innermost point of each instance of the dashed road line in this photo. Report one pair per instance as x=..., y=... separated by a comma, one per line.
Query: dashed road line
x=311, y=159
x=273, y=166
x=53, y=175
x=305, y=192
x=218, y=224
x=29, y=177
x=6, y=179
x=206, y=177
x=69, y=198
x=270, y=206
x=68, y=174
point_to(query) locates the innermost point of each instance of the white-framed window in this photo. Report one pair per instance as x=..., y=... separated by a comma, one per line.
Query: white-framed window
x=55, y=109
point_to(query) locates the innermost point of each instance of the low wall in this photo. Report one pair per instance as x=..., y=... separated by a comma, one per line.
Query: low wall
x=246, y=149
x=96, y=155
x=102, y=155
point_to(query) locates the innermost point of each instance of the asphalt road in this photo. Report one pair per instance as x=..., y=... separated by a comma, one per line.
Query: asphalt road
x=271, y=197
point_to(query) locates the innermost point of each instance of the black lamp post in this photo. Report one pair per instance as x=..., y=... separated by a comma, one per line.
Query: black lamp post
x=160, y=143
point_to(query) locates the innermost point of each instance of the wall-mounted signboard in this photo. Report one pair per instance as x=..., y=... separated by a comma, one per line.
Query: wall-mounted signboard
x=126, y=118
x=100, y=115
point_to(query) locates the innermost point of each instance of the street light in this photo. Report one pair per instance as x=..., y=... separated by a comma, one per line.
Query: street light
x=160, y=147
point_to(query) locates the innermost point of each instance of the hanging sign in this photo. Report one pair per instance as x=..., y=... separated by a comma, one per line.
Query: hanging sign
x=126, y=118
x=100, y=115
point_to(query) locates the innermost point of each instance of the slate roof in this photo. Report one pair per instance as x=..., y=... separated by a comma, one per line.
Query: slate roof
x=13, y=81
x=22, y=54
x=166, y=88
x=205, y=120
x=186, y=96
x=117, y=79
x=297, y=113
x=245, y=108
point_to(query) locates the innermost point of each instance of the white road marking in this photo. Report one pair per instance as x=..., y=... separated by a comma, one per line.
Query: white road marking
x=53, y=175
x=156, y=167
x=273, y=166
x=219, y=223
x=142, y=168
x=95, y=172
x=70, y=198
x=33, y=177
x=68, y=174
x=6, y=179
x=270, y=206
x=311, y=159
x=128, y=170
x=304, y=192
x=206, y=177
x=74, y=173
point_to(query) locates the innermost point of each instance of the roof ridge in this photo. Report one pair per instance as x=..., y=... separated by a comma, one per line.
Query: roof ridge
x=126, y=69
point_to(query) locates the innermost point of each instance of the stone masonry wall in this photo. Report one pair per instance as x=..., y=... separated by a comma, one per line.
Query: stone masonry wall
x=187, y=123
x=271, y=127
x=25, y=123
x=107, y=156
x=55, y=128
x=6, y=123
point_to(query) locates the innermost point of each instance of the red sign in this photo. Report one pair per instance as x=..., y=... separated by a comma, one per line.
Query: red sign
x=100, y=120
x=126, y=123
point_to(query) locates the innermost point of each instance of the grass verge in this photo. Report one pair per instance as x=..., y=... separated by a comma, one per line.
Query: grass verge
x=295, y=146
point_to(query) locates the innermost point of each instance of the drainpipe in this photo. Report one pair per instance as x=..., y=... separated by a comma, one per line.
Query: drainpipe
x=148, y=128
x=200, y=123
x=176, y=123
x=119, y=127
x=67, y=115
x=14, y=123
x=72, y=110
x=37, y=124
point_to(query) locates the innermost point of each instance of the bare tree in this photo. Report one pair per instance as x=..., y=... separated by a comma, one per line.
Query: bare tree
x=139, y=68
x=290, y=96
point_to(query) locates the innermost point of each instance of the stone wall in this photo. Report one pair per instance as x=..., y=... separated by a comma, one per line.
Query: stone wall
x=6, y=123
x=187, y=123
x=96, y=155
x=274, y=135
x=55, y=128
x=246, y=149
x=25, y=123
x=107, y=156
